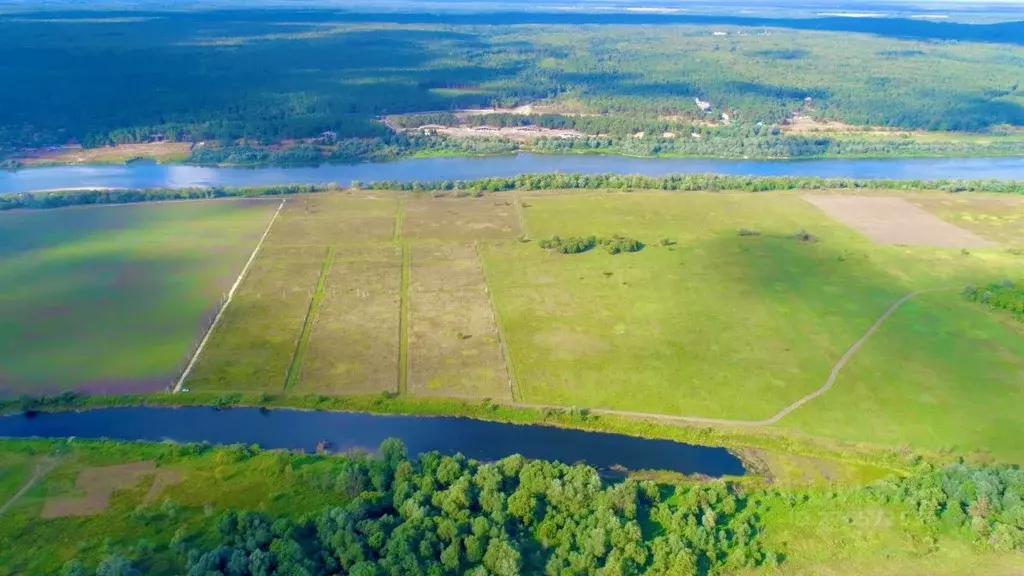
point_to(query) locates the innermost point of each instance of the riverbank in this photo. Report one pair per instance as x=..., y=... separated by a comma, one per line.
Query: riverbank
x=748, y=443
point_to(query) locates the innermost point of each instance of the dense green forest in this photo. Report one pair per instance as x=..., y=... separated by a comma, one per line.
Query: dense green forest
x=263, y=77
x=437, y=515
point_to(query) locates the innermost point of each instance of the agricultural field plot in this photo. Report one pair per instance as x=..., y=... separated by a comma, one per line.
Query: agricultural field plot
x=260, y=334
x=997, y=218
x=354, y=342
x=889, y=220
x=723, y=325
x=454, y=344
x=252, y=346
x=461, y=219
x=112, y=299
x=329, y=219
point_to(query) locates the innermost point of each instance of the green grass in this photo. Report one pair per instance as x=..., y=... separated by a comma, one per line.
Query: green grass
x=842, y=533
x=110, y=298
x=724, y=326
x=942, y=373
x=271, y=482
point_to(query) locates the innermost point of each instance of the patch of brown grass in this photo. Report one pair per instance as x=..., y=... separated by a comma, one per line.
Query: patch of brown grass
x=454, y=344
x=896, y=221
x=353, y=347
x=334, y=218
x=997, y=218
x=98, y=484
x=109, y=154
x=461, y=219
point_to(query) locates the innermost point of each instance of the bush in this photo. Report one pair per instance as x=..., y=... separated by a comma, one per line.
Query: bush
x=998, y=296
x=618, y=244
x=572, y=245
x=748, y=232
x=575, y=245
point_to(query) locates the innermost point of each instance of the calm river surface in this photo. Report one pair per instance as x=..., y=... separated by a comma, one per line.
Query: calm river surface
x=293, y=429
x=149, y=175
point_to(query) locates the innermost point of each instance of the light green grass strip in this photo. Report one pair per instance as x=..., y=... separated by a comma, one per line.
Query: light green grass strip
x=403, y=323
x=307, y=325
x=396, y=234
x=515, y=392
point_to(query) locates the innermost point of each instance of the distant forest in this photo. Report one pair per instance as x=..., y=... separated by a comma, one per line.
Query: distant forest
x=102, y=78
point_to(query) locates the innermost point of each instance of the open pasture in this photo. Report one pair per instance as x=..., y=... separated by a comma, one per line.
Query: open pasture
x=111, y=299
x=718, y=324
x=738, y=306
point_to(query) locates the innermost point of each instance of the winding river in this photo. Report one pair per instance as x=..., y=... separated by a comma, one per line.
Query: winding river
x=150, y=175
x=294, y=429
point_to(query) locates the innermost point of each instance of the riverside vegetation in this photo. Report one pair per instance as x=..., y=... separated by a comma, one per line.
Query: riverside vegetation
x=240, y=511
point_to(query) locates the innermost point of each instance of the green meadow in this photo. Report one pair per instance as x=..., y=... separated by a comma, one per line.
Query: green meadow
x=112, y=299
x=715, y=324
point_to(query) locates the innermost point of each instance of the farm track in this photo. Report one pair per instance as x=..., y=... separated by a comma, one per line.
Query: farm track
x=42, y=469
x=227, y=302
x=829, y=382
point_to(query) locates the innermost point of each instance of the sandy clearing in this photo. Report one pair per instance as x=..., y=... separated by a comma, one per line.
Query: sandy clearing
x=888, y=220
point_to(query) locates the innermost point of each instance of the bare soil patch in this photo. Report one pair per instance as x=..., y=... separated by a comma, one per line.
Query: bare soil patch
x=519, y=134
x=896, y=221
x=121, y=153
x=98, y=484
x=353, y=347
x=461, y=219
x=454, y=344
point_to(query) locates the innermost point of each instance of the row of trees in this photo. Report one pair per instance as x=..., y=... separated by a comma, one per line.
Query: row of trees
x=526, y=182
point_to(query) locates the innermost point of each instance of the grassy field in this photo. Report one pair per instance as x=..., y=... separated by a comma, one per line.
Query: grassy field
x=111, y=299
x=738, y=327
x=442, y=297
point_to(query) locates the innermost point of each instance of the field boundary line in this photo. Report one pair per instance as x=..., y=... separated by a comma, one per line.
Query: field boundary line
x=506, y=354
x=518, y=202
x=829, y=382
x=292, y=376
x=403, y=321
x=41, y=470
x=231, y=294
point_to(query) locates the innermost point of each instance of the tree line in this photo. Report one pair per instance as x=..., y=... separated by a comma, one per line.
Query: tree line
x=525, y=182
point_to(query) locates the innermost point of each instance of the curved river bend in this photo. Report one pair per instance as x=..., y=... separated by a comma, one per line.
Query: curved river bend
x=149, y=175
x=294, y=429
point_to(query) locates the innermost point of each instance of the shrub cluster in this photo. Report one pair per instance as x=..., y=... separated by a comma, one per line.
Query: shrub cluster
x=571, y=245
x=1000, y=296
x=574, y=245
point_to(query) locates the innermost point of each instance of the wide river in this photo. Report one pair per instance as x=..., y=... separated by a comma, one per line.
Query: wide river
x=149, y=175
x=294, y=429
